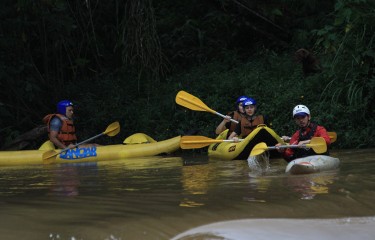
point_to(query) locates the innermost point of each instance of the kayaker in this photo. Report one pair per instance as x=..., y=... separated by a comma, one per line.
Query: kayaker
x=307, y=130
x=249, y=121
x=236, y=115
x=61, y=130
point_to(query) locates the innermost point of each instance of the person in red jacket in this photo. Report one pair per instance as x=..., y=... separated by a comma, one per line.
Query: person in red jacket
x=303, y=135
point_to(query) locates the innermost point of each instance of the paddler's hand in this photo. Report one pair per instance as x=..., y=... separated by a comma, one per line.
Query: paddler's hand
x=304, y=142
x=280, y=150
x=227, y=119
x=285, y=138
x=235, y=139
x=71, y=146
x=221, y=127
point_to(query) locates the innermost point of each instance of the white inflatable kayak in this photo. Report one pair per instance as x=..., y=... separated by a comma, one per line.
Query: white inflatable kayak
x=312, y=164
x=351, y=228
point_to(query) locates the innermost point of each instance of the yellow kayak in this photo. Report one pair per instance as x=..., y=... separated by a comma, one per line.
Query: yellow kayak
x=137, y=145
x=242, y=149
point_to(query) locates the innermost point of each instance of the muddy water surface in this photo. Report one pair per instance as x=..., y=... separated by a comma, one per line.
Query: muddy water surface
x=162, y=197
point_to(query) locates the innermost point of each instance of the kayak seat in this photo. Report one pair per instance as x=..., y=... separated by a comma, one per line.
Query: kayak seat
x=138, y=138
x=47, y=145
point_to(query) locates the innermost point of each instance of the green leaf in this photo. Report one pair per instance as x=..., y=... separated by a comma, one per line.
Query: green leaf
x=277, y=12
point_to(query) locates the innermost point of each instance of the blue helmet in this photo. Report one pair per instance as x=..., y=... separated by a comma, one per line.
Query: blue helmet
x=62, y=105
x=240, y=99
x=249, y=101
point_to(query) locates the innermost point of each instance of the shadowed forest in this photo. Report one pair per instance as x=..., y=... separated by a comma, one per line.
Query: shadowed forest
x=126, y=61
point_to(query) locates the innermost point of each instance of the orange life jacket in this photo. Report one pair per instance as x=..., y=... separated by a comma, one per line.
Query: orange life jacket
x=67, y=133
x=249, y=124
x=236, y=116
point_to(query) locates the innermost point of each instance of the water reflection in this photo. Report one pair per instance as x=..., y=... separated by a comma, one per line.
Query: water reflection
x=310, y=185
x=65, y=181
x=157, y=198
x=195, y=178
x=306, y=185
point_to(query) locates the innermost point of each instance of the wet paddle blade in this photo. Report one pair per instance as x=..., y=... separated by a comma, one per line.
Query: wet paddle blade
x=258, y=149
x=318, y=144
x=49, y=156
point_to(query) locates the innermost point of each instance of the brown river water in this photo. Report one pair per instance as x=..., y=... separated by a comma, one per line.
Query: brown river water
x=188, y=197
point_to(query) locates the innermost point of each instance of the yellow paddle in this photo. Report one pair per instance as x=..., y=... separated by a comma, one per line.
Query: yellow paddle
x=190, y=142
x=318, y=144
x=332, y=136
x=189, y=101
x=112, y=130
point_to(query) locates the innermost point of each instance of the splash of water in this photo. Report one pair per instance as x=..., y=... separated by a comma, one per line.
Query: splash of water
x=259, y=163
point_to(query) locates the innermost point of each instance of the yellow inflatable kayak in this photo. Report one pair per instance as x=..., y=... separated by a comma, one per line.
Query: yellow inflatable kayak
x=137, y=145
x=241, y=150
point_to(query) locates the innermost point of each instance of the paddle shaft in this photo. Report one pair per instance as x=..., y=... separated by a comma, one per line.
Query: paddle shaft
x=332, y=136
x=191, y=142
x=210, y=141
x=88, y=140
x=291, y=146
x=80, y=143
x=223, y=116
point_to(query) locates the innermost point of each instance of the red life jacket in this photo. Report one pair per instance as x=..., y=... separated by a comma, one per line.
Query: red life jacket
x=67, y=133
x=307, y=134
x=249, y=124
x=312, y=130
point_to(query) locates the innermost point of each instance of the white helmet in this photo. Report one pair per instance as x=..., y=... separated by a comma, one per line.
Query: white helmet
x=300, y=110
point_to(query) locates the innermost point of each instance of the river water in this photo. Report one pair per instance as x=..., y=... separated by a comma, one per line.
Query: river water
x=188, y=197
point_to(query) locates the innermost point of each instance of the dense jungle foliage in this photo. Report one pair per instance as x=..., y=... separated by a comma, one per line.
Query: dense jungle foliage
x=126, y=61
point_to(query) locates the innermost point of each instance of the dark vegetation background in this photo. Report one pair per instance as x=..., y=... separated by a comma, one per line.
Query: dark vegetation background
x=126, y=61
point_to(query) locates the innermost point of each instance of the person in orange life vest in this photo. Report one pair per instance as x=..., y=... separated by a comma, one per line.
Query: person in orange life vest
x=61, y=130
x=303, y=135
x=236, y=115
x=249, y=122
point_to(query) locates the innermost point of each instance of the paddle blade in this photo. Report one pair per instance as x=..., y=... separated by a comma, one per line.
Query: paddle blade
x=318, y=144
x=332, y=136
x=191, y=142
x=189, y=101
x=112, y=130
x=258, y=149
x=49, y=156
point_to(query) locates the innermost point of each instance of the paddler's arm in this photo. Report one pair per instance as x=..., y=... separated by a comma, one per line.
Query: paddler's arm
x=54, y=127
x=288, y=153
x=322, y=132
x=234, y=135
x=223, y=125
x=286, y=138
x=53, y=138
